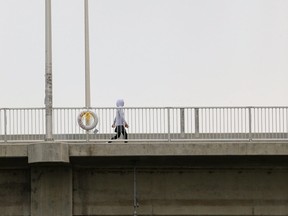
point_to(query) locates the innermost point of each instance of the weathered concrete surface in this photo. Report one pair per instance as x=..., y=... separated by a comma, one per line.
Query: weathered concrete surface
x=14, y=191
x=181, y=192
x=60, y=152
x=13, y=150
x=48, y=152
x=185, y=185
x=179, y=148
x=51, y=191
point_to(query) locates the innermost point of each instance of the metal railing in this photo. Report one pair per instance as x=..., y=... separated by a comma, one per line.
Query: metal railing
x=150, y=123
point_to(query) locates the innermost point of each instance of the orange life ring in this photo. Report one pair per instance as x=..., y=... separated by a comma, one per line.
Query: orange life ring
x=88, y=123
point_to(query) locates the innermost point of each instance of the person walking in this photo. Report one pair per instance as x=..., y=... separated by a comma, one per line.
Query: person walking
x=119, y=122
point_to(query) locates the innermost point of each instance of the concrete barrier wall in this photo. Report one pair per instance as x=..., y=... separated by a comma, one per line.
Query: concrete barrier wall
x=51, y=191
x=181, y=192
x=160, y=191
x=15, y=192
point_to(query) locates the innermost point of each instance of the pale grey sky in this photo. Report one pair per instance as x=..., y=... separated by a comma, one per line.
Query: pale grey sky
x=148, y=52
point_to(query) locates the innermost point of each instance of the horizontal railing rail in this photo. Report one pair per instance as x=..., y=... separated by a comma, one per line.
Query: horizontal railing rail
x=150, y=123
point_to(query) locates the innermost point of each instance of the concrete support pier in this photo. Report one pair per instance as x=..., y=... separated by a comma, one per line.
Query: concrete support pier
x=48, y=152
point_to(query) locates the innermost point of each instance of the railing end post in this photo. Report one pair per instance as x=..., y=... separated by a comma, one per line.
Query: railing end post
x=196, y=122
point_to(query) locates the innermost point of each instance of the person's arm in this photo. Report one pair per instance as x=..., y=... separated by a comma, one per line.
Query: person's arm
x=125, y=123
x=114, y=122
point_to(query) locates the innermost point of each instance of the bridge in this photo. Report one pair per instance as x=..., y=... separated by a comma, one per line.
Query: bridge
x=178, y=161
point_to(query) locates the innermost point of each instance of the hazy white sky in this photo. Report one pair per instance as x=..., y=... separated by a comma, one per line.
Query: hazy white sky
x=148, y=52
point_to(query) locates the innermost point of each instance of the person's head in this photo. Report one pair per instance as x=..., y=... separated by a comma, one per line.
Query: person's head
x=120, y=103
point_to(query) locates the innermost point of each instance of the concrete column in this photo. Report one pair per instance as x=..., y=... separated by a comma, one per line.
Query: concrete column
x=48, y=72
x=51, y=190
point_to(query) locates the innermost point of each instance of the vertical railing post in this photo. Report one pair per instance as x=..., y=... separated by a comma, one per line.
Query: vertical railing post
x=196, y=122
x=250, y=123
x=5, y=125
x=286, y=123
x=169, y=129
x=182, y=122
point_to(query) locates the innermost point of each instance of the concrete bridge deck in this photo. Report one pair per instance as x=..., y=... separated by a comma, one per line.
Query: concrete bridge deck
x=62, y=151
